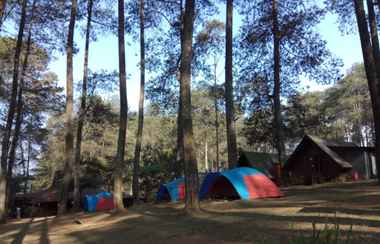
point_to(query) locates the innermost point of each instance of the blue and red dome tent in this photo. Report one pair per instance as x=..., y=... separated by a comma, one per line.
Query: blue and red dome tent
x=243, y=182
x=173, y=191
x=99, y=202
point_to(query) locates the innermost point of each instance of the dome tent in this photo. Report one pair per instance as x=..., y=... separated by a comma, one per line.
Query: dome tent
x=99, y=202
x=173, y=191
x=243, y=182
x=207, y=183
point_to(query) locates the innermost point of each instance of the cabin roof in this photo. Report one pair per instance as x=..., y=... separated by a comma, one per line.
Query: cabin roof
x=325, y=147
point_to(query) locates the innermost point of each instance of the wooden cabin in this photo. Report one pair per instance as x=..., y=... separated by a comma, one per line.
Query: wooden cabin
x=37, y=204
x=316, y=160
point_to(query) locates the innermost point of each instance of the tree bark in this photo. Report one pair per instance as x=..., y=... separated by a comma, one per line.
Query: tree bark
x=19, y=109
x=118, y=176
x=3, y=5
x=230, y=114
x=206, y=154
x=136, y=162
x=82, y=112
x=27, y=167
x=190, y=163
x=69, y=137
x=179, y=152
x=10, y=116
x=24, y=166
x=278, y=134
x=216, y=116
x=372, y=76
x=20, y=102
x=374, y=34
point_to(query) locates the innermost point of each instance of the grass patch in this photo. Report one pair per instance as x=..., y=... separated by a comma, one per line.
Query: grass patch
x=329, y=234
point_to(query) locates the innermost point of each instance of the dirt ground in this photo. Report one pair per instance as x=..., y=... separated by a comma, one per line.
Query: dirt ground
x=355, y=207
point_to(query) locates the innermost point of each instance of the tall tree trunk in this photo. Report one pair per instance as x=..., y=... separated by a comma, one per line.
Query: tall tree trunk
x=230, y=115
x=374, y=34
x=372, y=76
x=136, y=162
x=14, y=142
x=28, y=159
x=206, y=154
x=10, y=116
x=118, y=175
x=179, y=153
x=190, y=162
x=3, y=5
x=20, y=102
x=69, y=137
x=82, y=112
x=24, y=167
x=216, y=116
x=19, y=108
x=278, y=134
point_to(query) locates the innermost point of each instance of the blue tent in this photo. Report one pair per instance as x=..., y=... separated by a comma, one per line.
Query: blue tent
x=207, y=183
x=173, y=191
x=91, y=201
x=243, y=182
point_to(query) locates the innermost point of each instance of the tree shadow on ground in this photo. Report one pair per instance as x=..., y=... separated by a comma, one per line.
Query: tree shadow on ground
x=259, y=221
x=215, y=227
x=21, y=235
x=158, y=228
x=30, y=226
x=332, y=210
x=44, y=229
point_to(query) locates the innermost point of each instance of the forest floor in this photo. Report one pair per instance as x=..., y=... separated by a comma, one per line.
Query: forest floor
x=354, y=206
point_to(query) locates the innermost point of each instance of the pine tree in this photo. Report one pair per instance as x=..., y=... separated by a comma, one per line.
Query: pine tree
x=82, y=111
x=190, y=163
x=230, y=117
x=69, y=137
x=373, y=75
x=279, y=45
x=118, y=175
x=20, y=102
x=136, y=162
x=10, y=115
x=3, y=6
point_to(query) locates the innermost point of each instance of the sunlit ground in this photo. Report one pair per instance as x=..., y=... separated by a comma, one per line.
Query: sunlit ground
x=353, y=206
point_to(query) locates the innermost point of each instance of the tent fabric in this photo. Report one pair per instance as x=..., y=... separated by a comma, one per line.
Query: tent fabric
x=99, y=202
x=104, y=194
x=247, y=182
x=105, y=203
x=173, y=191
x=243, y=182
x=162, y=193
x=90, y=203
x=207, y=184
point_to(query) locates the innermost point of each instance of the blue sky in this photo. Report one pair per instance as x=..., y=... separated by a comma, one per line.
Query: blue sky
x=103, y=55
